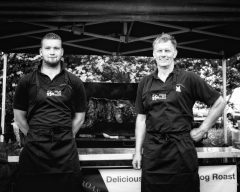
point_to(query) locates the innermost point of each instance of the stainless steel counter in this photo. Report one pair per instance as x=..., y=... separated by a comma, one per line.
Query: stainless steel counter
x=107, y=154
x=218, y=152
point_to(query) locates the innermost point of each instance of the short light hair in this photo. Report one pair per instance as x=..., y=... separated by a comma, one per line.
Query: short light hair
x=165, y=37
x=51, y=36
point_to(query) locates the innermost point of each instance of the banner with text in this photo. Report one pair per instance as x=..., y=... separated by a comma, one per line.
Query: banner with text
x=218, y=178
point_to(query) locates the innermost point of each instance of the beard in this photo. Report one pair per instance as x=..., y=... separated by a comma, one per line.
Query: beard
x=52, y=62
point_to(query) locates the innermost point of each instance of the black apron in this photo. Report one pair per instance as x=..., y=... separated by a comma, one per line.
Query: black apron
x=169, y=160
x=49, y=160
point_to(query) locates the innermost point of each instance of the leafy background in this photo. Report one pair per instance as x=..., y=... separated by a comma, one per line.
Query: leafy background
x=116, y=69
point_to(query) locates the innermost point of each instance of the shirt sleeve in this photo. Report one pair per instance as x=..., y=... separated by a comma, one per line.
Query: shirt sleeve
x=20, y=100
x=80, y=98
x=139, y=107
x=203, y=91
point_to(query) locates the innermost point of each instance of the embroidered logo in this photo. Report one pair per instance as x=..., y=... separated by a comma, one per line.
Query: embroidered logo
x=159, y=96
x=55, y=93
x=178, y=88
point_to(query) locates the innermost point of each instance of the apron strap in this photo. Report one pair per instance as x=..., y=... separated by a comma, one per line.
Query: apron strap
x=67, y=79
x=37, y=80
x=168, y=136
x=33, y=104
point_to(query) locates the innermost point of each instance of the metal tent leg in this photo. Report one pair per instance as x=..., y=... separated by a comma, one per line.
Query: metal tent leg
x=3, y=96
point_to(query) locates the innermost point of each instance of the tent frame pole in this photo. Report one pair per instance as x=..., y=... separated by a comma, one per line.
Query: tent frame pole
x=224, y=76
x=3, y=96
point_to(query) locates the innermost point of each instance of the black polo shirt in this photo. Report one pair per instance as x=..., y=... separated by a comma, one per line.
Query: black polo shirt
x=176, y=115
x=26, y=93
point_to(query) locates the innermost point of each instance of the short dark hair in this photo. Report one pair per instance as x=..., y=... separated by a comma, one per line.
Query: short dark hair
x=165, y=37
x=51, y=36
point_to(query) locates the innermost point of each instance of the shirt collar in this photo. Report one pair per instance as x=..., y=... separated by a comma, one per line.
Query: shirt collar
x=155, y=73
x=63, y=66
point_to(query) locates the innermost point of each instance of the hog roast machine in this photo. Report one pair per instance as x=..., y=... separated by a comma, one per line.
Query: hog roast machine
x=107, y=135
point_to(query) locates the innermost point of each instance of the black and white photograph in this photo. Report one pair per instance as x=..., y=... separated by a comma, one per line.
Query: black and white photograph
x=120, y=96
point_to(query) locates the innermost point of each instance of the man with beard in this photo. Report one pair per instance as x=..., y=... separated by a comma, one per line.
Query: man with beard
x=164, y=130
x=49, y=107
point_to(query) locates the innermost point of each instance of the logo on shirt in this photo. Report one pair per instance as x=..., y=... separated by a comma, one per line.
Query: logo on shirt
x=178, y=88
x=55, y=93
x=159, y=96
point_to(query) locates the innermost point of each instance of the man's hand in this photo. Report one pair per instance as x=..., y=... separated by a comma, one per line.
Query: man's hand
x=197, y=134
x=136, y=162
x=216, y=110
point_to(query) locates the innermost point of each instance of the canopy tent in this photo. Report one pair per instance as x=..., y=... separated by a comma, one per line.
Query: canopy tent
x=203, y=28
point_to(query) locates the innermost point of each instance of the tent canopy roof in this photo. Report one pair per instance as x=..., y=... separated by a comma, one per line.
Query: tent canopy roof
x=203, y=28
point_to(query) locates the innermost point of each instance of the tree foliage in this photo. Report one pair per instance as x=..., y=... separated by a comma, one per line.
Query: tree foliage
x=116, y=69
